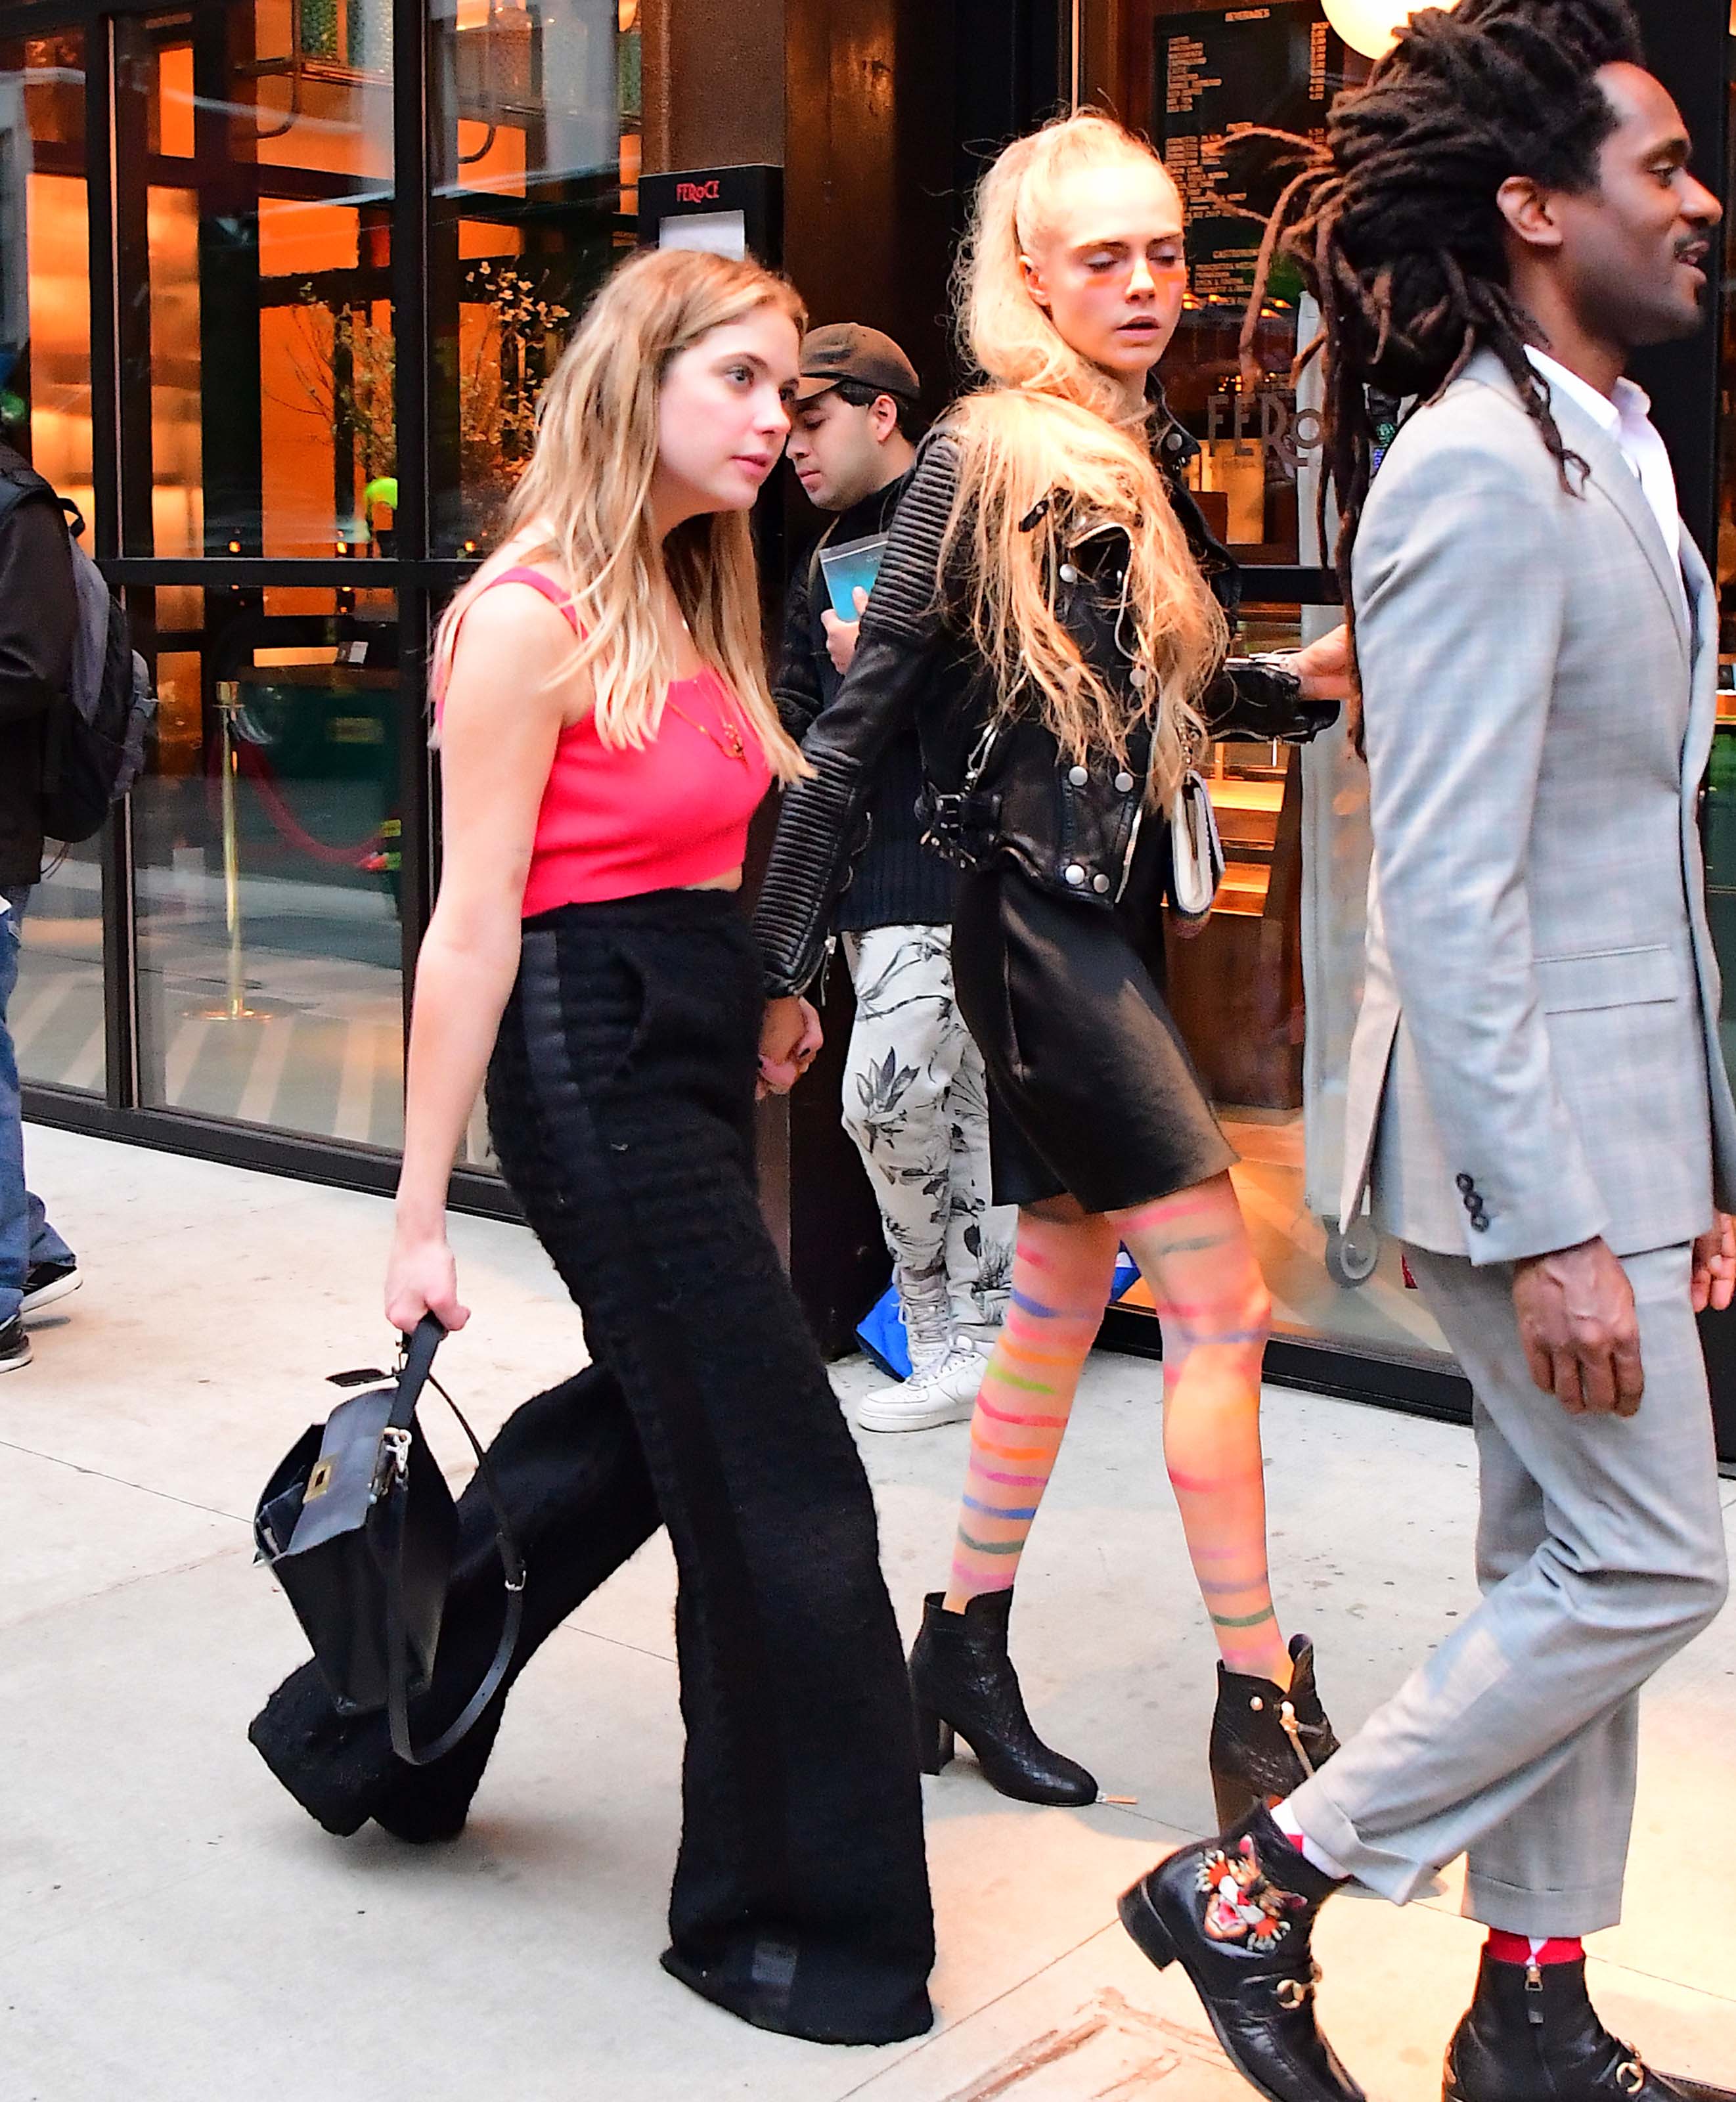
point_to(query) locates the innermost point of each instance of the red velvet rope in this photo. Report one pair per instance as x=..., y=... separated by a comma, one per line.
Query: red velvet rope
x=252, y=762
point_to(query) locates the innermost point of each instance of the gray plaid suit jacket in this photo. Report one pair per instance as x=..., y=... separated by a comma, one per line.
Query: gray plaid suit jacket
x=1537, y=1057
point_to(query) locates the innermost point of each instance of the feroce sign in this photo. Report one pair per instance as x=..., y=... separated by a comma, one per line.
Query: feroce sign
x=734, y=211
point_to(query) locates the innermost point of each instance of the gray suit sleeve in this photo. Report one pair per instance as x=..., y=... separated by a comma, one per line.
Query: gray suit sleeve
x=1460, y=605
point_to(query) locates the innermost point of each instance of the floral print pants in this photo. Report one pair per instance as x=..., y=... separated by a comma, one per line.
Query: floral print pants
x=915, y=1101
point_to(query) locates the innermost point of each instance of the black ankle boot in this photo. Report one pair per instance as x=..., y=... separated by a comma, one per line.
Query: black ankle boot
x=1236, y=1913
x=1265, y=1742
x=1532, y=2035
x=962, y=1680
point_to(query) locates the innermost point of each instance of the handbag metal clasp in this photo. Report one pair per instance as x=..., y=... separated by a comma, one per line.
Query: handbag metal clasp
x=394, y=1461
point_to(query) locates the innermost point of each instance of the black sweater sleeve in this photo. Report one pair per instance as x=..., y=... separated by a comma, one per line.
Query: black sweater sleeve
x=797, y=688
x=39, y=608
x=820, y=828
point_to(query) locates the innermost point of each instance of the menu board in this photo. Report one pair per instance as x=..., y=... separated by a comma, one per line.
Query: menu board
x=1219, y=70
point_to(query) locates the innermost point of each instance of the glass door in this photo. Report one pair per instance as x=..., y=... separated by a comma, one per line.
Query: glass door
x=56, y=1015
x=254, y=210
x=1266, y=994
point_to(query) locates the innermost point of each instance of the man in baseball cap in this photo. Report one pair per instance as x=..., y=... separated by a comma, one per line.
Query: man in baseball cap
x=912, y=1075
x=847, y=355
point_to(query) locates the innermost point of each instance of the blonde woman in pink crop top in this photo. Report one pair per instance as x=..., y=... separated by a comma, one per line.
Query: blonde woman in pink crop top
x=606, y=735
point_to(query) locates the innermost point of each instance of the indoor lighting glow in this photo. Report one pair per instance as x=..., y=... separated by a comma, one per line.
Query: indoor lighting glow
x=1372, y=26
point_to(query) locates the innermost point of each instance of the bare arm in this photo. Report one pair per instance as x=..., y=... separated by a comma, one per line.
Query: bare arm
x=503, y=716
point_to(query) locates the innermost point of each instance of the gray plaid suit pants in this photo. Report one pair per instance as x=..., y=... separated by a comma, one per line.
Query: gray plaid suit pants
x=1600, y=1553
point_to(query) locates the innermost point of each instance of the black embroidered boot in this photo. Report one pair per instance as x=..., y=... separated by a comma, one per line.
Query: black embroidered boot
x=1532, y=2035
x=1236, y=1913
x=963, y=1680
x=1265, y=1742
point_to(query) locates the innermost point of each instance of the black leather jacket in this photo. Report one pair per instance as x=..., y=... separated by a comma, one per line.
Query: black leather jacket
x=997, y=788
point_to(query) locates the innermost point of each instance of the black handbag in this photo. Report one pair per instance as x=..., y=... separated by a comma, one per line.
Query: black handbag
x=359, y=1528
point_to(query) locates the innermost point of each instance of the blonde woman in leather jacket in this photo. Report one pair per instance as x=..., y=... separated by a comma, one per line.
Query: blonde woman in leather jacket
x=1041, y=613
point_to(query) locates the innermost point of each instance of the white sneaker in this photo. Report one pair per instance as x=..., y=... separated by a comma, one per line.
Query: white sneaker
x=945, y=1391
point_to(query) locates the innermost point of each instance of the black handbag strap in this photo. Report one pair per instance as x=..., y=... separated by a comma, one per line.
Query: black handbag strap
x=414, y=1368
x=416, y=1373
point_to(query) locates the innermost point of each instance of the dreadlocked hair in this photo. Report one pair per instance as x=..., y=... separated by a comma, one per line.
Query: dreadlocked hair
x=1394, y=222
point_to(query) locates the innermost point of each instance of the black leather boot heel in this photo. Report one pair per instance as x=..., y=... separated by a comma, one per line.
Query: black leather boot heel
x=1265, y=1742
x=1532, y=2035
x=963, y=1680
x=935, y=1741
x=1236, y=1913
x=1140, y=1918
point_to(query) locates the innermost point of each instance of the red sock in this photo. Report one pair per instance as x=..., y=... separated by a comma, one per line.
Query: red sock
x=1526, y=1949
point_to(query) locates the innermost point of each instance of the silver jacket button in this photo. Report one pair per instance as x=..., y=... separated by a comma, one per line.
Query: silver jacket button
x=1124, y=784
x=1068, y=574
x=1074, y=873
x=1099, y=883
x=1077, y=776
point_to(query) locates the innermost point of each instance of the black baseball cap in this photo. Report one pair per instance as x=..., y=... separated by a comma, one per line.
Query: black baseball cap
x=845, y=350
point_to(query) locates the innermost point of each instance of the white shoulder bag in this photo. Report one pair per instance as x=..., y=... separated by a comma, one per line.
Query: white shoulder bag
x=1196, y=851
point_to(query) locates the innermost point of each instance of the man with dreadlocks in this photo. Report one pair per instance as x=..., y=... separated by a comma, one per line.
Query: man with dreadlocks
x=1537, y=1097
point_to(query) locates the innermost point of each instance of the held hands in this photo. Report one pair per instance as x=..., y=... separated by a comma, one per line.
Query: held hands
x=840, y=635
x=1714, y=1266
x=1324, y=668
x=1579, y=1329
x=790, y=1041
x=422, y=1278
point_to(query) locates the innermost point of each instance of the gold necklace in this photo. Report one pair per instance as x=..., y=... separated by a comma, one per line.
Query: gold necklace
x=731, y=743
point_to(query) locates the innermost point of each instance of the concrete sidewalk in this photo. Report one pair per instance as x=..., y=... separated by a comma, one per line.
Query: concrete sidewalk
x=173, y=1929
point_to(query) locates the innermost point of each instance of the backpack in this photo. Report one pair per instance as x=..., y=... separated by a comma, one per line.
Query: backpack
x=98, y=729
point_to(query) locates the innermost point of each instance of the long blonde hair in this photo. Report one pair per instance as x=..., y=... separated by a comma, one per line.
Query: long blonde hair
x=1050, y=424
x=585, y=497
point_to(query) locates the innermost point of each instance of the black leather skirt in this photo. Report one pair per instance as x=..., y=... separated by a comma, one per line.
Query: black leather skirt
x=1092, y=1091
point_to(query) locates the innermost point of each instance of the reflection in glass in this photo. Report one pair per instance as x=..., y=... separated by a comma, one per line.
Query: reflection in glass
x=1236, y=989
x=267, y=861
x=1207, y=74
x=536, y=123
x=254, y=215
x=1266, y=994
x=56, y=1013
x=1719, y=814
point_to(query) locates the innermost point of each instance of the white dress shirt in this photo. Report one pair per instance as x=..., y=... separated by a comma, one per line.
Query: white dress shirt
x=1627, y=417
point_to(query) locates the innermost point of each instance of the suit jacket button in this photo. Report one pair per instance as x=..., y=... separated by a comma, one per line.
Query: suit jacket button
x=1099, y=883
x=1074, y=873
x=1077, y=776
x=1124, y=784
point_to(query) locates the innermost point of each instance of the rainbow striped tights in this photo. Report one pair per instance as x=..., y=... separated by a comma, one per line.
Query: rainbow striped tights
x=1194, y=1249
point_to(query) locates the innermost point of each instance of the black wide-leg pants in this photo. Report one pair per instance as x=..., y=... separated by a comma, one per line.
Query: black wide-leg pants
x=621, y=1099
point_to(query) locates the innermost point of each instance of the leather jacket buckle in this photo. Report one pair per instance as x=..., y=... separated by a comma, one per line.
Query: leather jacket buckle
x=959, y=827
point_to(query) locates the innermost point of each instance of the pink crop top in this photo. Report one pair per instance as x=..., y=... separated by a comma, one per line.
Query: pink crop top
x=616, y=822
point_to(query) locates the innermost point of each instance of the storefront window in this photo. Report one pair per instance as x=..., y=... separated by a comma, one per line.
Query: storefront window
x=1266, y=993
x=537, y=113
x=268, y=860
x=1212, y=73
x=56, y=1014
x=1720, y=828
x=253, y=221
